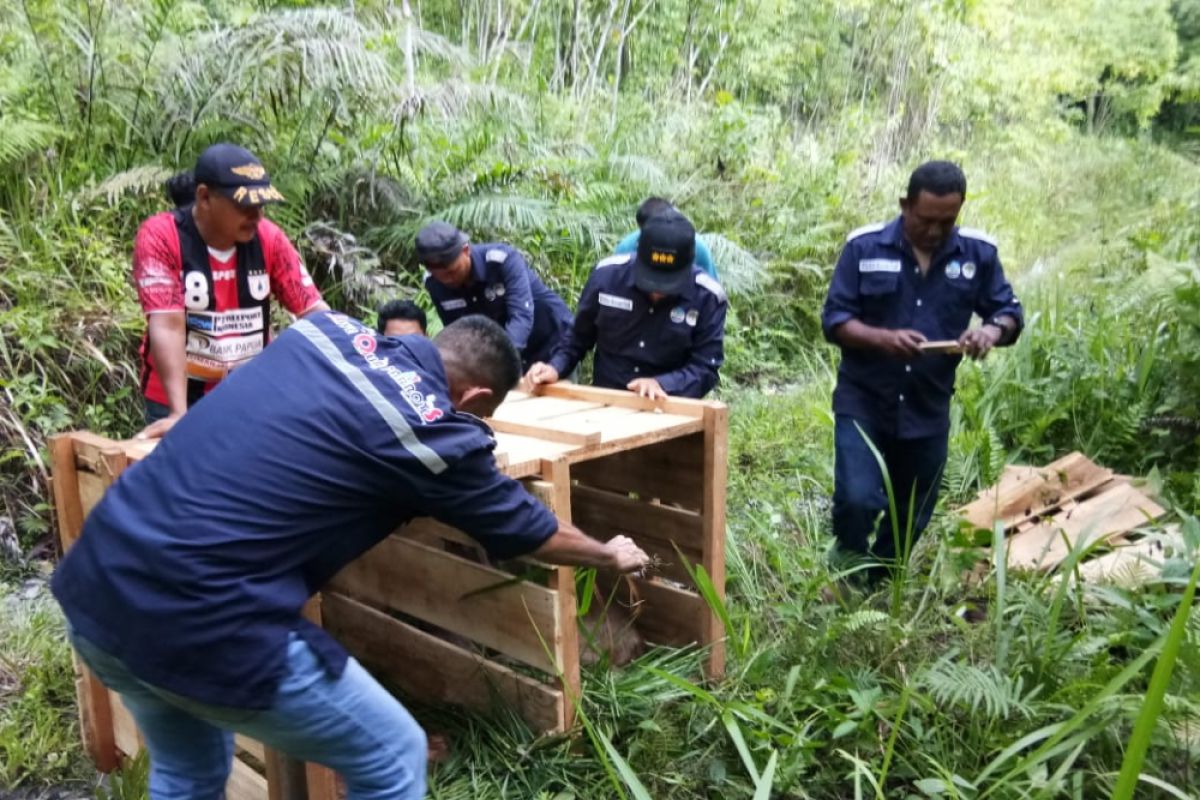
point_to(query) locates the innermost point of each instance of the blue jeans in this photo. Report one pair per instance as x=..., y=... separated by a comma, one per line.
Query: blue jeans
x=349, y=724
x=859, y=494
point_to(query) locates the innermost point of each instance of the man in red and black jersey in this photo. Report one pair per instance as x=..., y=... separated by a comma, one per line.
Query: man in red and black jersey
x=205, y=274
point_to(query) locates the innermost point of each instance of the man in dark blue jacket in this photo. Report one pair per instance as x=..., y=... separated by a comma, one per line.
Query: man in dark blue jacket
x=493, y=280
x=656, y=320
x=896, y=287
x=184, y=593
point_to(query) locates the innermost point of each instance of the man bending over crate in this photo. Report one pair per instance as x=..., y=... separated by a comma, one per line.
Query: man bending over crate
x=655, y=319
x=184, y=593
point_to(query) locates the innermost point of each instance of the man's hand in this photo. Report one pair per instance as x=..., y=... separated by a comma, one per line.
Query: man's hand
x=540, y=373
x=646, y=387
x=904, y=343
x=626, y=555
x=157, y=430
x=978, y=342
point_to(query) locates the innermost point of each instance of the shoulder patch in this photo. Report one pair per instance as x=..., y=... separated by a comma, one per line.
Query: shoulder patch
x=975, y=233
x=612, y=261
x=874, y=227
x=704, y=280
x=496, y=255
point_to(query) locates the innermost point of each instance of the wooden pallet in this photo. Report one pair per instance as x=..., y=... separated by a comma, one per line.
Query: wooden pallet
x=427, y=615
x=1046, y=512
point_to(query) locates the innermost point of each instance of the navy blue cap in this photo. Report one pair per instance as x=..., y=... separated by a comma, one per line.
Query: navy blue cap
x=236, y=173
x=665, y=254
x=439, y=243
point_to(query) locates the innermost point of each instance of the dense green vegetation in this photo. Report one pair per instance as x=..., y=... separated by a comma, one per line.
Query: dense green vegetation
x=778, y=125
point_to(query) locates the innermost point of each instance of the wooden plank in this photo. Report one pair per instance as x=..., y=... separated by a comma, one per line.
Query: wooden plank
x=286, y=778
x=95, y=718
x=555, y=492
x=435, y=670
x=598, y=511
x=715, y=482
x=125, y=730
x=618, y=397
x=90, y=447
x=321, y=781
x=525, y=454
x=91, y=696
x=251, y=747
x=407, y=576
x=91, y=489
x=534, y=409
x=549, y=434
x=672, y=471
x=1137, y=563
x=668, y=615
x=429, y=531
x=626, y=427
x=946, y=346
x=1120, y=509
x=245, y=783
x=1033, y=494
x=67, y=506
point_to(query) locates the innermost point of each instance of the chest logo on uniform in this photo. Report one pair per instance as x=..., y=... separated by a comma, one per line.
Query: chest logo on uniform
x=615, y=301
x=455, y=304
x=494, y=291
x=678, y=314
x=953, y=270
x=968, y=270
x=693, y=316
x=260, y=285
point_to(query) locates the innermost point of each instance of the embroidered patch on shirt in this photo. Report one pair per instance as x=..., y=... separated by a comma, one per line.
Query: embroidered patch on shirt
x=613, y=301
x=878, y=265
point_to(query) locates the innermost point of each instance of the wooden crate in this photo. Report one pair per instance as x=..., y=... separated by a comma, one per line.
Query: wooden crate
x=428, y=616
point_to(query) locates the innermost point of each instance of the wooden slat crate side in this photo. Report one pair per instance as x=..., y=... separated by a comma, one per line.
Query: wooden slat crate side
x=555, y=492
x=715, y=480
x=669, y=615
x=435, y=670
x=671, y=471
x=514, y=618
x=618, y=513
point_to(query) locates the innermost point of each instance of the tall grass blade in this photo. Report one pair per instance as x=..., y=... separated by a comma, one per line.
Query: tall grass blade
x=1143, y=729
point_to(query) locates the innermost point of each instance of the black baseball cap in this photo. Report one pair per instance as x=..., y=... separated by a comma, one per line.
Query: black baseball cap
x=439, y=243
x=665, y=254
x=236, y=173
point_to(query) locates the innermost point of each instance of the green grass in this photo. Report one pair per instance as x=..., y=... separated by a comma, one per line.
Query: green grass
x=820, y=700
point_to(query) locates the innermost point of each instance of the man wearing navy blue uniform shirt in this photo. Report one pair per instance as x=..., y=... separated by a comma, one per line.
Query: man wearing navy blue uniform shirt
x=657, y=321
x=184, y=593
x=897, y=286
x=493, y=280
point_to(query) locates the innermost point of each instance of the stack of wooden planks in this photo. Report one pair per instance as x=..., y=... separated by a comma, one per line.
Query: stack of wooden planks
x=1046, y=512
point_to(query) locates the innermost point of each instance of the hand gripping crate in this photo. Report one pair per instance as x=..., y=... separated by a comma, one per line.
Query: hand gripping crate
x=428, y=615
